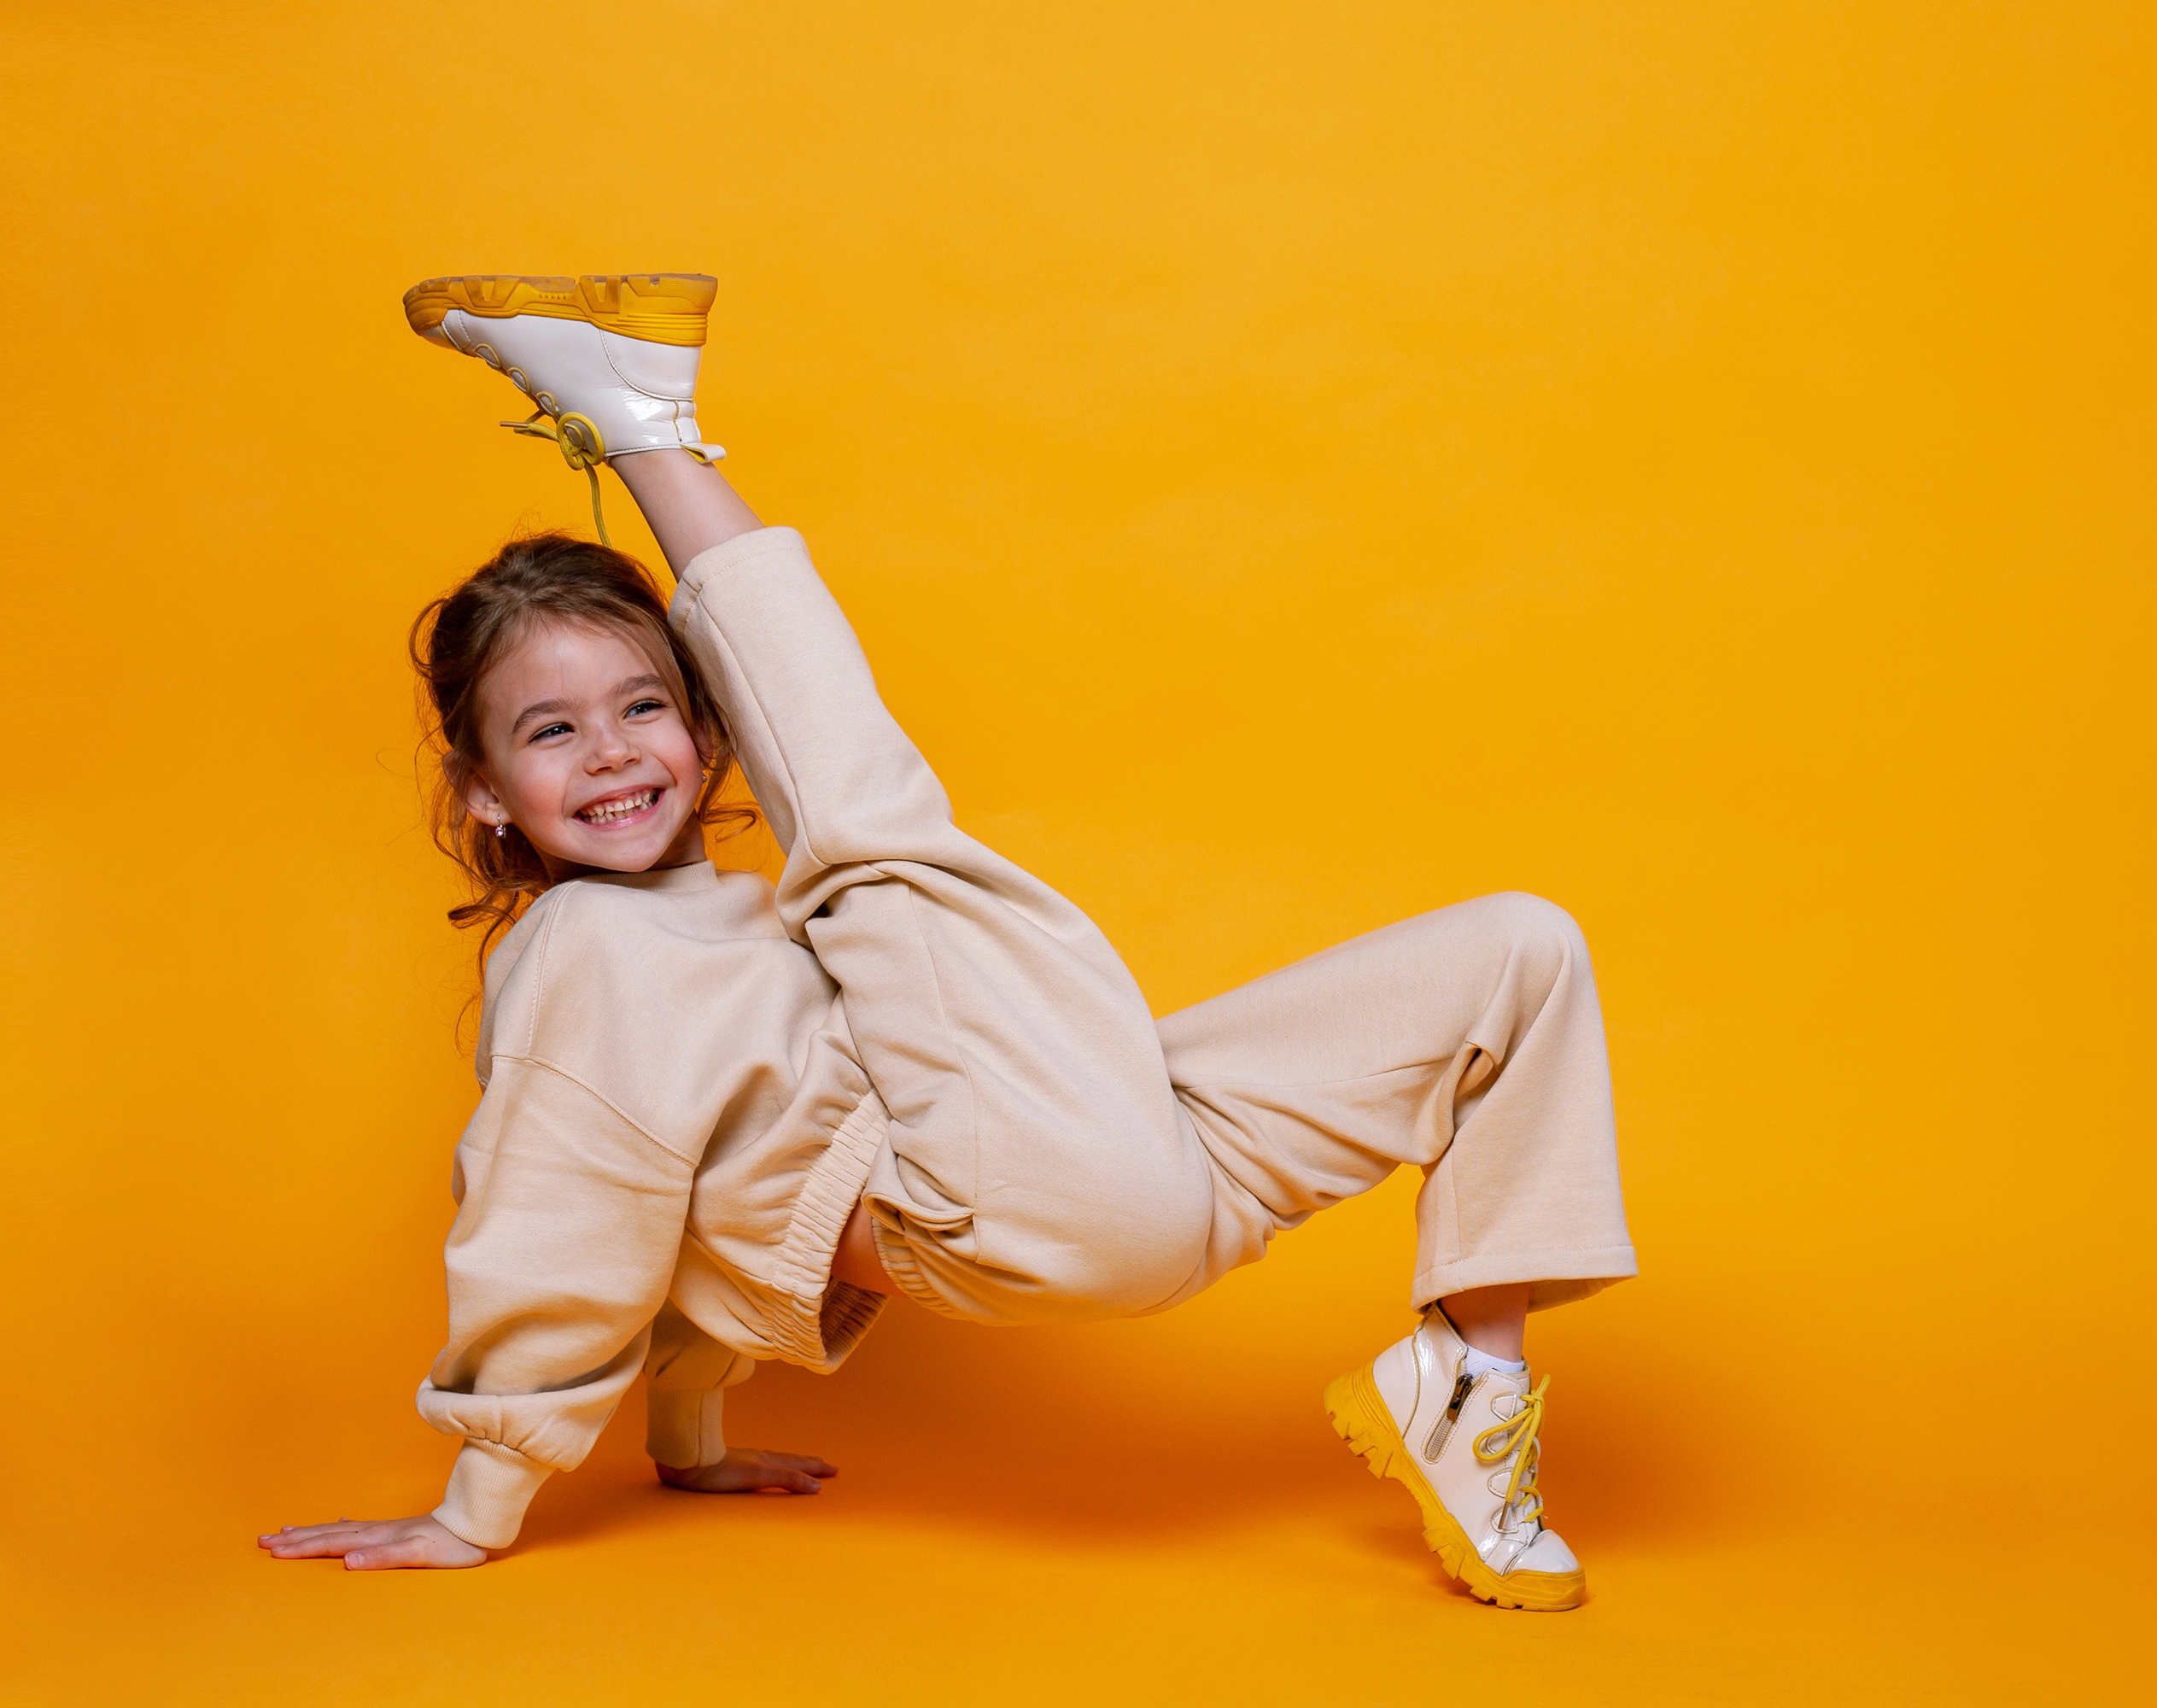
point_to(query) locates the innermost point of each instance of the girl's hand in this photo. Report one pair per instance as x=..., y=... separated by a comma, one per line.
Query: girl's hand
x=378, y=1546
x=747, y=1469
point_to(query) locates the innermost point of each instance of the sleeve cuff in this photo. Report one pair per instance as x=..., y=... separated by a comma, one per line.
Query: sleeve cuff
x=758, y=542
x=684, y=1429
x=490, y=1487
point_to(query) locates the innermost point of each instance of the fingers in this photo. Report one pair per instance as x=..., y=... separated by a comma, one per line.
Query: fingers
x=323, y=1542
x=794, y=1472
x=745, y=1470
x=299, y=1532
x=389, y=1556
x=815, y=1463
x=369, y=1546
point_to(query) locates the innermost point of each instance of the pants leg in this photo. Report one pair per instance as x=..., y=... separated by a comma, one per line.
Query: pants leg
x=1051, y=1155
x=1468, y=1042
x=1038, y=1167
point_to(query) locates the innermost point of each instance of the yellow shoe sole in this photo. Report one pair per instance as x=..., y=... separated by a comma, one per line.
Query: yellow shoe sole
x=658, y=307
x=1361, y=1419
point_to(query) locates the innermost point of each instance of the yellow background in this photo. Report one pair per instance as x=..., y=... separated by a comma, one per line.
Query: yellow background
x=1292, y=466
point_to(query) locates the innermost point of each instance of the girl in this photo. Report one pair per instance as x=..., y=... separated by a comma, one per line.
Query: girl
x=723, y=1123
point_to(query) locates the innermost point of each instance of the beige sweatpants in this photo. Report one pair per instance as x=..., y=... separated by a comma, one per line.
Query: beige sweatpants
x=1054, y=1154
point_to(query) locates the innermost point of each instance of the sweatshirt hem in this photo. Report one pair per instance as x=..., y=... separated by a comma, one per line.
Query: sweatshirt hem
x=815, y=1321
x=898, y=1259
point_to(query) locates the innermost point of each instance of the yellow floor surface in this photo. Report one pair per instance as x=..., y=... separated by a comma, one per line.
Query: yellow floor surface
x=1010, y=1527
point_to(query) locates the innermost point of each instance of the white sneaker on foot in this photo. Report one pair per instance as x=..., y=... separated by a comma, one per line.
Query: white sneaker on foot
x=1466, y=1448
x=610, y=358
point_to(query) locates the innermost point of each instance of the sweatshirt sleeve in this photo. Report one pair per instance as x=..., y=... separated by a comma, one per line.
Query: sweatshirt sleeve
x=569, y=1224
x=687, y=1374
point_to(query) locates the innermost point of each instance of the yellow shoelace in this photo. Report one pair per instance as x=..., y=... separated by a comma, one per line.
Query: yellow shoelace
x=1517, y=1437
x=578, y=441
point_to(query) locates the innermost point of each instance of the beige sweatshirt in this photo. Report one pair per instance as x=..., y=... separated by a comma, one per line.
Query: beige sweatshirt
x=609, y=1172
x=676, y=1126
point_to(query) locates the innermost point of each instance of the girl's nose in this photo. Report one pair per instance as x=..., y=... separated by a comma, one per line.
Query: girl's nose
x=612, y=751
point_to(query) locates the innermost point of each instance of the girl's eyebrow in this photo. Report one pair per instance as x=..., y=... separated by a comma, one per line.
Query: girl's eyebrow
x=546, y=707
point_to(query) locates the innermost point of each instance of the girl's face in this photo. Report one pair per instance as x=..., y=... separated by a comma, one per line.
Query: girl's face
x=587, y=751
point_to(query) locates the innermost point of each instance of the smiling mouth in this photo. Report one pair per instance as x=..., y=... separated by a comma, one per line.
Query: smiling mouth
x=616, y=808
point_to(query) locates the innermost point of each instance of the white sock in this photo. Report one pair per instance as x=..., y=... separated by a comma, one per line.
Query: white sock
x=1479, y=1362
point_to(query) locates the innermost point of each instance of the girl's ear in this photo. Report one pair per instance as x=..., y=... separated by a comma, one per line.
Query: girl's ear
x=476, y=791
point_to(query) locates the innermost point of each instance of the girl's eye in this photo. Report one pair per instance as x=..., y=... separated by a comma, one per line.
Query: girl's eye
x=645, y=705
x=551, y=730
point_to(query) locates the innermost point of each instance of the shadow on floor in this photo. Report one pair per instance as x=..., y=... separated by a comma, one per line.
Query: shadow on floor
x=1115, y=1433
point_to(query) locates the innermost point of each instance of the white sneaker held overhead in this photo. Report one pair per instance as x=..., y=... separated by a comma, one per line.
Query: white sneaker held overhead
x=609, y=359
x=1467, y=1447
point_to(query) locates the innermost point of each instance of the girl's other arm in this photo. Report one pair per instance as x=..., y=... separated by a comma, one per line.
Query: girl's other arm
x=687, y=1375
x=568, y=1228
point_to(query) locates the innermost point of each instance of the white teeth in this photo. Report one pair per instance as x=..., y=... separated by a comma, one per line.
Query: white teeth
x=610, y=811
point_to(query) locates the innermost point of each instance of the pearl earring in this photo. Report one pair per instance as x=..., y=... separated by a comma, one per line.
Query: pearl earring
x=501, y=827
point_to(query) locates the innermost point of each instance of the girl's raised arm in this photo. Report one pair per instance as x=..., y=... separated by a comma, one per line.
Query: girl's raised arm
x=689, y=506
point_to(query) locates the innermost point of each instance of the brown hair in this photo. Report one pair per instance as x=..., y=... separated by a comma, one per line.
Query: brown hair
x=458, y=637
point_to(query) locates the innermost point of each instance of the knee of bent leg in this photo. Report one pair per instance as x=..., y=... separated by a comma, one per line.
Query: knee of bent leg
x=1120, y=1254
x=1540, y=939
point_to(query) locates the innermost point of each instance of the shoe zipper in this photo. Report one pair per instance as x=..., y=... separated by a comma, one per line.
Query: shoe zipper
x=1444, y=1427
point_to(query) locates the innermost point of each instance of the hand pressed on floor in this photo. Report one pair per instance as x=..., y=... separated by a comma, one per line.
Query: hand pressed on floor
x=745, y=1469
x=375, y=1545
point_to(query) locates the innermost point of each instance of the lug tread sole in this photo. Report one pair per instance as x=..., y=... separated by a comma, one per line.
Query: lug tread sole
x=658, y=307
x=1359, y=1417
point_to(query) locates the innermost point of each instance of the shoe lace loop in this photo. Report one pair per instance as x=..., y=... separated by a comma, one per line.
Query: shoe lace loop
x=578, y=440
x=1516, y=1438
